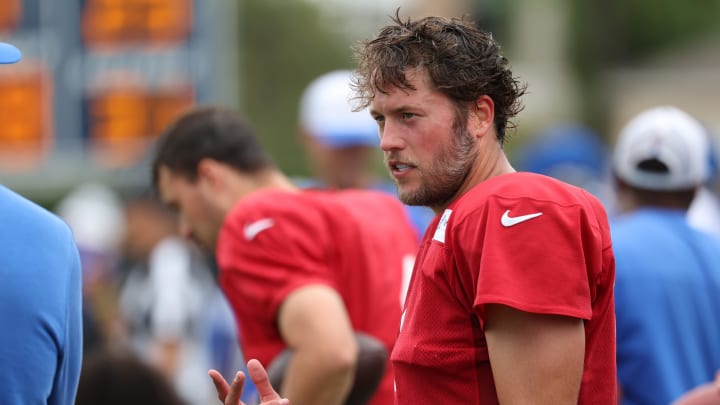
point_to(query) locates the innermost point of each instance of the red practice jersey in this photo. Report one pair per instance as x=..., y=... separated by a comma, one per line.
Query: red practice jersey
x=522, y=240
x=356, y=242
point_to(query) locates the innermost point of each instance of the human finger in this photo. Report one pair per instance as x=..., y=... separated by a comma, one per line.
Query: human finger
x=236, y=388
x=262, y=382
x=221, y=386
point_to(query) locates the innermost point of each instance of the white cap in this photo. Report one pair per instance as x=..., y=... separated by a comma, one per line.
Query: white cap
x=95, y=214
x=327, y=115
x=670, y=136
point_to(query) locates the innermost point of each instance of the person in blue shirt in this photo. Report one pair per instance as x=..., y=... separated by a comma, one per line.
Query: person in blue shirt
x=40, y=300
x=704, y=212
x=667, y=285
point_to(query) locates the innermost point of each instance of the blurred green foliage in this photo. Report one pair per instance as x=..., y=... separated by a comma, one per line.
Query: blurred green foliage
x=606, y=34
x=494, y=16
x=284, y=45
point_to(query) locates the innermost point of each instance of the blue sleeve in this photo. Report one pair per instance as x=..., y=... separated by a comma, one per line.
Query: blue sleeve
x=70, y=356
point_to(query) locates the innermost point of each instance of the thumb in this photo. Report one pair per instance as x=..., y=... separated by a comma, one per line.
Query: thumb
x=260, y=377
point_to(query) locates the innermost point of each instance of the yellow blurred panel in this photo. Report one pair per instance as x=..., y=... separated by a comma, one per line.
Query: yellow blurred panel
x=10, y=14
x=113, y=22
x=25, y=116
x=123, y=120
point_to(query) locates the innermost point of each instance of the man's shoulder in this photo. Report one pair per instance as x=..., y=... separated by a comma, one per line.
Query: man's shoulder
x=21, y=216
x=38, y=245
x=271, y=202
x=522, y=186
x=293, y=214
x=511, y=199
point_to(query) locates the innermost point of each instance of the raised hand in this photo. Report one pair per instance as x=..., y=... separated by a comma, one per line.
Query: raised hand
x=229, y=394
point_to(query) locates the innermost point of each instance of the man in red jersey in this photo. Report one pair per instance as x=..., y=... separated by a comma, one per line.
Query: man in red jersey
x=302, y=269
x=511, y=299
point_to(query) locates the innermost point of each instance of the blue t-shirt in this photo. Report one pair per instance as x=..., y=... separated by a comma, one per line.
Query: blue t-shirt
x=40, y=305
x=667, y=296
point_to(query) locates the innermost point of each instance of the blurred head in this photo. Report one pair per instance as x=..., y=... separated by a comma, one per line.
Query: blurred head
x=203, y=163
x=9, y=54
x=569, y=152
x=340, y=142
x=94, y=213
x=714, y=161
x=461, y=61
x=111, y=378
x=661, y=157
x=148, y=222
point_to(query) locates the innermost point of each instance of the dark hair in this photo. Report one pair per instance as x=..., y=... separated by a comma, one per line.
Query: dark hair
x=462, y=61
x=119, y=377
x=209, y=132
x=676, y=199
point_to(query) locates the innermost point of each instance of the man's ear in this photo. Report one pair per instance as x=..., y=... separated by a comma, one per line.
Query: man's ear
x=481, y=116
x=208, y=172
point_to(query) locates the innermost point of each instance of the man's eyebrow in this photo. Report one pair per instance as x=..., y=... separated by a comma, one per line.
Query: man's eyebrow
x=394, y=110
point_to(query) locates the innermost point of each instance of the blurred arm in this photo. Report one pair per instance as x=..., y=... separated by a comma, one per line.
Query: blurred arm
x=535, y=359
x=315, y=325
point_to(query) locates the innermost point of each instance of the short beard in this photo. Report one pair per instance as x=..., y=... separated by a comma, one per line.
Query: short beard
x=440, y=183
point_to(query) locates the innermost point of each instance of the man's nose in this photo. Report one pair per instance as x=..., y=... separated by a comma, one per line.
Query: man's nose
x=390, y=138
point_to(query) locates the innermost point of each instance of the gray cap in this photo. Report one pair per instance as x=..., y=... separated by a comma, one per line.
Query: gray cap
x=666, y=135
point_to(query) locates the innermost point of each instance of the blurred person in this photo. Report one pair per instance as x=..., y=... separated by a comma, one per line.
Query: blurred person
x=572, y=153
x=511, y=298
x=341, y=143
x=303, y=269
x=94, y=213
x=166, y=297
x=40, y=300
x=704, y=212
x=667, y=291
x=112, y=377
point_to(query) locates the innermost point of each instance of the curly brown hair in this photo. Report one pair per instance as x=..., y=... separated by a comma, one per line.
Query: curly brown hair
x=462, y=62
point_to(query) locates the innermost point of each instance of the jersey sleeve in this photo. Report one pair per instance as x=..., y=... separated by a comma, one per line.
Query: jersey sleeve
x=534, y=263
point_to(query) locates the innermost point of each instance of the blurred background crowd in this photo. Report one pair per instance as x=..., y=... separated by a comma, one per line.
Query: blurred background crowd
x=100, y=79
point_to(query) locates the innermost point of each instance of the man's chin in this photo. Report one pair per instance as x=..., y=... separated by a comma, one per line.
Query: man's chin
x=409, y=197
x=424, y=197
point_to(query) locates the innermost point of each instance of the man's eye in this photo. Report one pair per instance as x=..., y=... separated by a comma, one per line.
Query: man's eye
x=379, y=118
x=407, y=115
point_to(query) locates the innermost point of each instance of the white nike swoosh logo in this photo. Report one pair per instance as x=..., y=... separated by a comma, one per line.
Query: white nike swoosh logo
x=507, y=220
x=251, y=230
